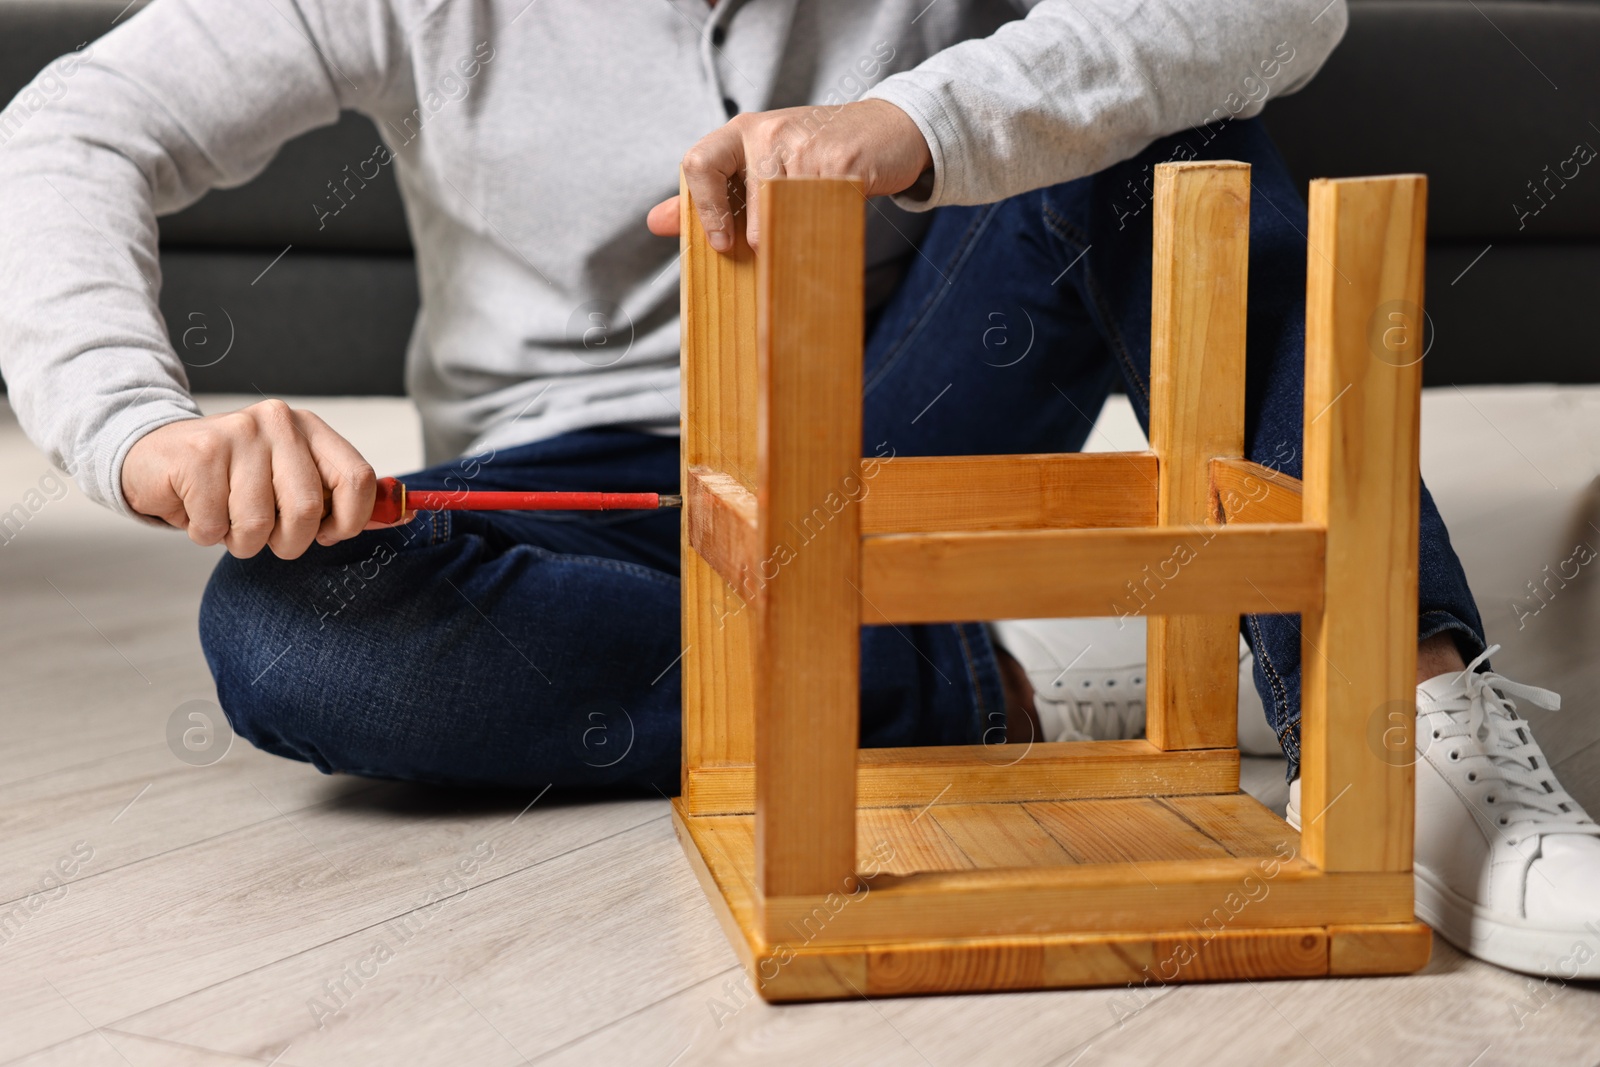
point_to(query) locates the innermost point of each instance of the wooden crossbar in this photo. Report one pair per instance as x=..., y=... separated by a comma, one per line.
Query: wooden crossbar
x=1155, y=895
x=1248, y=492
x=973, y=774
x=1156, y=572
x=1018, y=573
x=913, y=494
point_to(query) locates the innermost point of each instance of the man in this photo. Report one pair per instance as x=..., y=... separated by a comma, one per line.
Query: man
x=531, y=140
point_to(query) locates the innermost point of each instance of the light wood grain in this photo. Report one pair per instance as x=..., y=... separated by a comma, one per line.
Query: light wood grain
x=718, y=360
x=1102, y=898
x=808, y=949
x=717, y=294
x=1197, y=356
x=1364, y=337
x=998, y=835
x=1249, y=492
x=934, y=494
x=910, y=494
x=719, y=517
x=139, y=804
x=460, y=983
x=1240, y=824
x=1124, y=831
x=954, y=577
x=810, y=323
x=112, y=1048
x=919, y=842
x=1455, y=1010
x=805, y=962
x=964, y=774
x=126, y=940
x=1395, y=948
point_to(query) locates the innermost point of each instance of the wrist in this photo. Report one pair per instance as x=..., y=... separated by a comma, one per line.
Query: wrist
x=914, y=156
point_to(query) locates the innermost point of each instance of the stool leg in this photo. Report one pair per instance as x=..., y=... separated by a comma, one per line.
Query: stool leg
x=1197, y=352
x=1364, y=344
x=810, y=316
x=718, y=297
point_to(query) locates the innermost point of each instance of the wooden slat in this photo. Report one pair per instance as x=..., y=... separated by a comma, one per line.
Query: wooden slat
x=1053, y=573
x=1248, y=492
x=719, y=380
x=809, y=326
x=1197, y=356
x=970, y=774
x=905, y=840
x=1123, y=831
x=1225, y=893
x=998, y=835
x=822, y=972
x=1067, y=961
x=1364, y=343
x=1388, y=948
x=717, y=304
x=719, y=517
x=933, y=494
x=914, y=494
x=1240, y=823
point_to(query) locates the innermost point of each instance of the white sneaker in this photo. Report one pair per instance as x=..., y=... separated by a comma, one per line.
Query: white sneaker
x=1506, y=861
x=1087, y=674
x=1088, y=680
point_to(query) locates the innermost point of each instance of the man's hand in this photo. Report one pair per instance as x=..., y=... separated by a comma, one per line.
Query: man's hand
x=251, y=478
x=871, y=140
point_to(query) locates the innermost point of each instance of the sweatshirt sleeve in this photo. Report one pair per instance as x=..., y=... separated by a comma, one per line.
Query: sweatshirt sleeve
x=1078, y=85
x=186, y=96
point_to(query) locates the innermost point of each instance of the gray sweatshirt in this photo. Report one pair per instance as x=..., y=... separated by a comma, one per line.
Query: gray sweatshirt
x=529, y=138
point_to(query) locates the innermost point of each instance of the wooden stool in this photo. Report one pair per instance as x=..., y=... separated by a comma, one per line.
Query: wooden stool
x=841, y=872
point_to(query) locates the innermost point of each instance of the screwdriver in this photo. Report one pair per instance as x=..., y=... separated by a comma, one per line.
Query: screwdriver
x=395, y=501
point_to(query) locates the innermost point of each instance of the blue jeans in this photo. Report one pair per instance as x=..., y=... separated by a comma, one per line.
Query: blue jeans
x=520, y=649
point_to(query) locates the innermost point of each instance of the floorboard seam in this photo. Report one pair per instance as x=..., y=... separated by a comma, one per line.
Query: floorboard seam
x=200, y=841
x=79, y=766
x=198, y=1048
x=379, y=922
x=547, y=1053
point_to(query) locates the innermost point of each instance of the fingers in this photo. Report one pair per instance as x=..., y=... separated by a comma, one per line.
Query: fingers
x=871, y=141
x=252, y=507
x=663, y=218
x=352, y=482
x=296, y=487
x=250, y=479
x=202, y=488
x=707, y=167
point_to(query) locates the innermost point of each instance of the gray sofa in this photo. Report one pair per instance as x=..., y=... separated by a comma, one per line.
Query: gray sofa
x=1482, y=96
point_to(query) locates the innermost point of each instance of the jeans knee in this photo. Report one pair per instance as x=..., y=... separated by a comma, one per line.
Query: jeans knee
x=248, y=620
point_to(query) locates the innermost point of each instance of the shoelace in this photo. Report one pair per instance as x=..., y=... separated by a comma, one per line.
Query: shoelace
x=1531, y=800
x=1098, y=707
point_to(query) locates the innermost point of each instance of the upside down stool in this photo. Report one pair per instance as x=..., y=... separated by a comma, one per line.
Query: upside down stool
x=838, y=871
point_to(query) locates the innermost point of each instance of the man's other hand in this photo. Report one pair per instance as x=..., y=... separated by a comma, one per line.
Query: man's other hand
x=871, y=140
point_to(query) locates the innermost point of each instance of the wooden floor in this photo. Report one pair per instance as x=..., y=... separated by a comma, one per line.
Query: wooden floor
x=254, y=911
